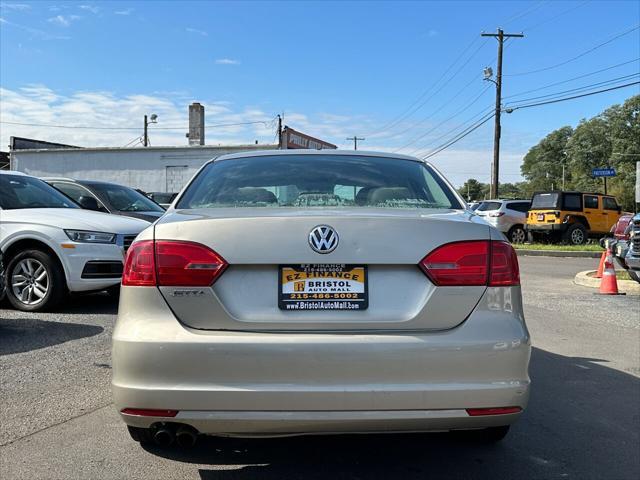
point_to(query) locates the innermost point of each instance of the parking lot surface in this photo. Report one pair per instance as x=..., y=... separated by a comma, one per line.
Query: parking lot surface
x=583, y=419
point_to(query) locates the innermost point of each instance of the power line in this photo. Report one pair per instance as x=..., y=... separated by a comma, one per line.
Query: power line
x=572, y=79
x=401, y=116
x=458, y=137
x=586, y=52
x=482, y=113
x=518, y=107
x=464, y=109
x=418, y=105
x=555, y=17
x=83, y=127
x=586, y=87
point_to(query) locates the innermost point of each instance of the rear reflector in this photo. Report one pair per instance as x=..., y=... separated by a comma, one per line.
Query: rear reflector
x=140, y=265
x=473, y=263
x=147, y=412
x=479, y=412
x=171, y=263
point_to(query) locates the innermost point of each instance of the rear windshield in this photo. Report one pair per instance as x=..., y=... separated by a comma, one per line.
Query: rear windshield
x=318, y=181
x=484, y=206
x=545, y=200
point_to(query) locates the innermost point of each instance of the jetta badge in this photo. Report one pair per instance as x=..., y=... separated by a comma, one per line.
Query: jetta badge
x=323, y=239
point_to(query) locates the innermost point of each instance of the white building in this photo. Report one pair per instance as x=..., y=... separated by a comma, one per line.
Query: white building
x=152, y=169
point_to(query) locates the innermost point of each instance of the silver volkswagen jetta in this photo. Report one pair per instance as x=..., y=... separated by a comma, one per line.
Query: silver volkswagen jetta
x=300, y=292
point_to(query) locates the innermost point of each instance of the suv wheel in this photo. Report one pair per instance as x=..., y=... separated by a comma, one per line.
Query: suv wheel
x=35, y=281
x=576, y=234
x=517, y=234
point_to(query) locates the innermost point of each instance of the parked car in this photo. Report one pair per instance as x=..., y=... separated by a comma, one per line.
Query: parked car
x=108, y=198
x=473, y=206
x=51, y=246
x=304, y=292
x=632, y=258
x=571, y=217
x=508, y=216
x=2, y=285
x=161, y=198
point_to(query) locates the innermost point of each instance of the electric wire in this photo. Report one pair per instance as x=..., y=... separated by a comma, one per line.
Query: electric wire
x=518, y=107
x=571, y=79
x=459, y=137
x=84, y=127
x=459, y=112
x=586, y=52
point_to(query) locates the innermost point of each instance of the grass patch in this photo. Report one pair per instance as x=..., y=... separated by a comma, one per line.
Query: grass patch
x=589, y=247
x=620, y=274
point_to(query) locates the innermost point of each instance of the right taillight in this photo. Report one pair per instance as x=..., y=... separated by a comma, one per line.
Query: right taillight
x=171, y=263
x=472, y=263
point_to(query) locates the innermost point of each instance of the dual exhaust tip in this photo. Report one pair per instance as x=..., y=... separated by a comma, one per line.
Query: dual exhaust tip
x=184, y=436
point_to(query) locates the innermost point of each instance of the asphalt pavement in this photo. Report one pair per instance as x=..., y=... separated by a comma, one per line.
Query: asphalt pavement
x=583, y=420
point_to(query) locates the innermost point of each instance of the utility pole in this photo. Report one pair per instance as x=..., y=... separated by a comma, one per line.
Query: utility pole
x=355, y=141
x=279, y=131
x=495, y=166
x=145, y=136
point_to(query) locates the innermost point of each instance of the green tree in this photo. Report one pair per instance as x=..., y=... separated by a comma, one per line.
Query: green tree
x=473, y=190
x=542, y=165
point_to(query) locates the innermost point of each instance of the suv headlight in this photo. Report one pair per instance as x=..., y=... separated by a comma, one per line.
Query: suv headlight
x=83, y=236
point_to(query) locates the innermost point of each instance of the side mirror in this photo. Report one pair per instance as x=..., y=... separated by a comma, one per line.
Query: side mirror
x=89, y=203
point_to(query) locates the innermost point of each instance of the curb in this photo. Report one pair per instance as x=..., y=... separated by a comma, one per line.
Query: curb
x=625, y=286
x=557, y=253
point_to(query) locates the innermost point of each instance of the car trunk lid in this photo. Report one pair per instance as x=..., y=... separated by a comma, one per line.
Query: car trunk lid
x=257, y=242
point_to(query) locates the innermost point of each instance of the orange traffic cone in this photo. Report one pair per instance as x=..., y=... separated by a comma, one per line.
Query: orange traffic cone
x=601, y=265
x=609, y=282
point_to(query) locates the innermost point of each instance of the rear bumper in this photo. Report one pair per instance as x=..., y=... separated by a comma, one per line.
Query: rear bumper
x=250, y=383
x=546, y=228
x=269, y=423
x=632, y=261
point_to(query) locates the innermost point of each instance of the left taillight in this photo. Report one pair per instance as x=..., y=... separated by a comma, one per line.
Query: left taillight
x=472, y=263
x=139, y=265
x=171, y=263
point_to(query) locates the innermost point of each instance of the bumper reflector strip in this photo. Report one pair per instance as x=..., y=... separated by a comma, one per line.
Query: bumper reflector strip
x=148, y=412
x=478, y=412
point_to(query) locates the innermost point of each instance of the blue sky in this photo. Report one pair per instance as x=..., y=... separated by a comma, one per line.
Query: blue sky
x=334, y=68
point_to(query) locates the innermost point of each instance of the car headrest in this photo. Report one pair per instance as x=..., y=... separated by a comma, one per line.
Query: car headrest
x=384, y=194
x=255, y=195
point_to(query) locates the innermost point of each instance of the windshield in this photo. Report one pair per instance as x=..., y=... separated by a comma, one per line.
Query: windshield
x=124, y=199
x=318, y=181
x=17, y=191
x=545, y=200
x=484, y=206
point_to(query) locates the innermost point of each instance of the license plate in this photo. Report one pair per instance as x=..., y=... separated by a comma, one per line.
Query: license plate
x=323, y=287
x=541, y=217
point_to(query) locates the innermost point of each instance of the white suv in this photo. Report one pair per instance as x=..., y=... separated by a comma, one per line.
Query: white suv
x=508, y=216
x=51, y=246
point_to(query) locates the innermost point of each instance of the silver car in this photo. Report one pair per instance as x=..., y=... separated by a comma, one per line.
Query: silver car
x=308, y=292
x=508, y=216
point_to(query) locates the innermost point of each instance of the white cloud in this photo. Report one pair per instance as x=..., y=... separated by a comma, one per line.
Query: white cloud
x=126, y=11
x=90, y=8
x=432, y=33
x=62, y=20
x=227, y=61
x=34, y=31
x=41, y=107
x=16, y=6
x=196, y=31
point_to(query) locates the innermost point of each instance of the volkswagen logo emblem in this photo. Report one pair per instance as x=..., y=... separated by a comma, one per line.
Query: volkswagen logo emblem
x=323, y=239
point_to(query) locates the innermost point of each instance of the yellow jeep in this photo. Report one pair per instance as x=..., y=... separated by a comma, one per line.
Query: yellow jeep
x=571, y=217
